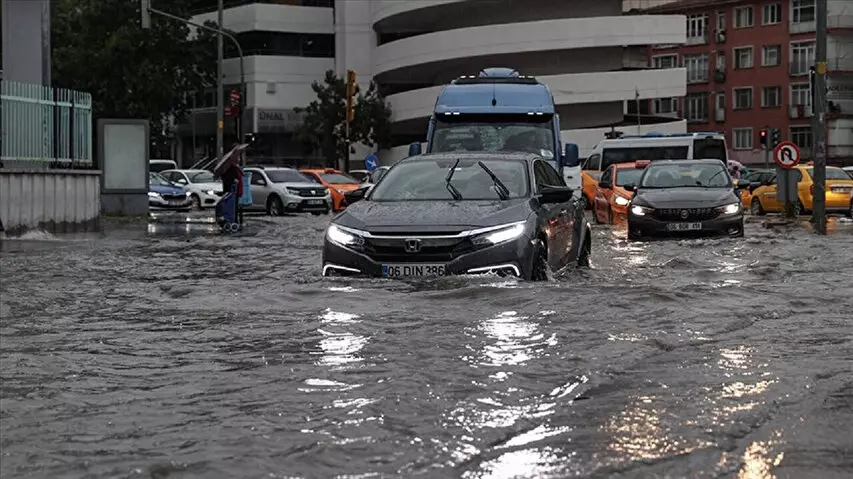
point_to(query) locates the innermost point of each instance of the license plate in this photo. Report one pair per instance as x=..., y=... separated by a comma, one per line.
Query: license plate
x=176, y=203
x=842, y=190
x=684, y=226
x=315, y=202
x=412, y=270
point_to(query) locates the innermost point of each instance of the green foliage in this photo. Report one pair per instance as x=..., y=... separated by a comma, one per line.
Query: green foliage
x=100, y=47
x=323, y=124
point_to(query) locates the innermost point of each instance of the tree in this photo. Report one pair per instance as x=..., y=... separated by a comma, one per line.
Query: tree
x=323, y=127
x=100, y=47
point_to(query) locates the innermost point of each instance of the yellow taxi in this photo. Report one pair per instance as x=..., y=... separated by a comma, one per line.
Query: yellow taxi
x=755, y=179
x=611, y=199
x=839, y=187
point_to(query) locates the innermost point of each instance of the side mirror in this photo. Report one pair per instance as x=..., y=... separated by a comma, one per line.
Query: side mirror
x=630, y=187
x=556, y=194
x=571, y=157
x=356, y=195
x=605, y=185
x=414, y=149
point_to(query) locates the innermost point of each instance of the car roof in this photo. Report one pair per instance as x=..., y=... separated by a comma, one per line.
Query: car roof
x=707, y=161
x=477, y=155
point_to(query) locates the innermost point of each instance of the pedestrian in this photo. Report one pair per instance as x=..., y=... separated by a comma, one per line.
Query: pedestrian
x=230, y=171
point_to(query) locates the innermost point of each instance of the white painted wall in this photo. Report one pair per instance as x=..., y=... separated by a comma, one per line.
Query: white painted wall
x=274, y=18
x=355, y=41
x=840, y=138
x=56, y=201
x=292, y=77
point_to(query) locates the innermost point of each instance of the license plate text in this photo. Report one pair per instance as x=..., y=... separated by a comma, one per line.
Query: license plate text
x=684, y=226
x=412, y=270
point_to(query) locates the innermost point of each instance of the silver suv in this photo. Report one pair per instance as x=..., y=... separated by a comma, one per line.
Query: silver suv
x=280, y=190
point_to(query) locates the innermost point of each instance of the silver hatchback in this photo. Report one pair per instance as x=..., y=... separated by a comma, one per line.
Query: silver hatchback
x=279, y=190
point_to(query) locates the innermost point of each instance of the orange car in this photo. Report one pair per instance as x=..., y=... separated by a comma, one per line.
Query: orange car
x=336, y=181
x=611, y=199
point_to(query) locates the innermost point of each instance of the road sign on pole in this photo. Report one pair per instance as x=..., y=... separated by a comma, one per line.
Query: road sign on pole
x=371, y=163
x=786, y=155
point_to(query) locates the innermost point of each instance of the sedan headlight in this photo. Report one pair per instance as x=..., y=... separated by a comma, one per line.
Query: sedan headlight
x=640, y=210
x=210, y=192
x=500, y=235
x=344, y=236
x=187, y=194
x=729, y=209
x=622, y=201
x=152, y=194
x=292, y=191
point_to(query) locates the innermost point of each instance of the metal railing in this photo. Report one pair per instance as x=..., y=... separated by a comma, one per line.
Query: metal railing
x=44, y=127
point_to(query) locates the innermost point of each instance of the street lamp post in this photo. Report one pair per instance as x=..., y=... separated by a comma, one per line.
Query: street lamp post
x=146, y=9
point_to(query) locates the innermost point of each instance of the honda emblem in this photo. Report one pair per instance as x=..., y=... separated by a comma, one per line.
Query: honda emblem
x=413, y=245
x=685, y=214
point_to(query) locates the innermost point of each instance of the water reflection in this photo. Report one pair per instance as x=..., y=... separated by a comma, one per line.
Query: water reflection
x=516, y=340
x=538, y=463
x=339, y=347
x=759, y=459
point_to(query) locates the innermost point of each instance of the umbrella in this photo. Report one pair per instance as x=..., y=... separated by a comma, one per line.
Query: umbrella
x=735, y=164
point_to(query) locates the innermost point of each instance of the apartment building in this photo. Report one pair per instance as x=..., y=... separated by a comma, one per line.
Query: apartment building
x=594, y=58
x=748, y=67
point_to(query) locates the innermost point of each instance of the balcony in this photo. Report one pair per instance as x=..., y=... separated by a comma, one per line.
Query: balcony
x=720, y=37
x=697, y=40
x=802, y=27
x=800, y=112
x=720, y=75
x=799, y=68
x=720, y=115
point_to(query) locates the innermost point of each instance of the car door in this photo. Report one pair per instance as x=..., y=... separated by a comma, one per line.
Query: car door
x=566, y=216
x=259, y=187
x=604, y=195
x=768, y=196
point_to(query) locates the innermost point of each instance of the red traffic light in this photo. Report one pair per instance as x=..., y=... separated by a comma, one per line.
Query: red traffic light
x=763, y=132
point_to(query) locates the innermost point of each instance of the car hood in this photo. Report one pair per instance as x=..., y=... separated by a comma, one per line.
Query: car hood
x=209, y=186
x=402, y=216
x=685, y=197
x=306, y=184
x=166, y=190
x=346, y=186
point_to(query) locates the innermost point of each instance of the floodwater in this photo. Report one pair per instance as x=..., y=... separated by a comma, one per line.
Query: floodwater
x=161, y=353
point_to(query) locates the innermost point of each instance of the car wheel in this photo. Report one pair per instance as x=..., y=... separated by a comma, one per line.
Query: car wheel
x=755, y=208
x=539, y=272
x=740, y=233
x=595, y=216
x=632, y=236
x=196, y=201
x=275, y=206
x=586, y=251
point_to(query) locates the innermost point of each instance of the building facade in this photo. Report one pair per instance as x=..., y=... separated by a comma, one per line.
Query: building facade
x=592, y=56
x=748, y=68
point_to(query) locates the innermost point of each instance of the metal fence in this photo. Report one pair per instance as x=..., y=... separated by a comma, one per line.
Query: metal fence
x=44, y=127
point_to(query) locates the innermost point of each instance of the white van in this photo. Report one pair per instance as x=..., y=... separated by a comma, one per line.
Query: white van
x=156, y=166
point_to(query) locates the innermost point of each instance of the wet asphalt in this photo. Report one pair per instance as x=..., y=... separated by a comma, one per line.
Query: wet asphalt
x=162, y=350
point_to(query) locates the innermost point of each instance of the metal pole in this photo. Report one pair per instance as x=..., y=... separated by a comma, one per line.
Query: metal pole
x=767, y=156
x=220, y=88
x=224, y=34
x=819, y=123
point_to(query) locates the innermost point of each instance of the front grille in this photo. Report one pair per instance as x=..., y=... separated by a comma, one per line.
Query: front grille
x=393, y=250
x=310, y=192
x=693, y=214
x=174, y=197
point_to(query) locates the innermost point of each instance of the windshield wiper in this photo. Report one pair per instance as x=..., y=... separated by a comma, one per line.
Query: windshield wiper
x=500, y=188
x=452, y=189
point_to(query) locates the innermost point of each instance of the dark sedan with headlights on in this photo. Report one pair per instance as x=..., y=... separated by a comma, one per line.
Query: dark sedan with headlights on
x=685, y=198
x=460, y=213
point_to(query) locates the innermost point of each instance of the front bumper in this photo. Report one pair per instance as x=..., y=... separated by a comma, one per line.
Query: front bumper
x=209, y=201
x=301, y=204
x=156, y=203
x=513, y=257
x=647, y=226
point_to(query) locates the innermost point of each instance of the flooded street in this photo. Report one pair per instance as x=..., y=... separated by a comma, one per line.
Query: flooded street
x=157, y=353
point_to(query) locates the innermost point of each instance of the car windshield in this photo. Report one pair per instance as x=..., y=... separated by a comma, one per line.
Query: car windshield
x=628, y=176
x=425, y=180
x=158, y=179
x=495, y=133
x=831, y=173
x=686, y=175
x=287, y=176
x=202, y=177
x=338, y=179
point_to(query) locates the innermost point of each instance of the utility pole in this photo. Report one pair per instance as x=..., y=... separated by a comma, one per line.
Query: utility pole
x=819, y=122
x=220, y=88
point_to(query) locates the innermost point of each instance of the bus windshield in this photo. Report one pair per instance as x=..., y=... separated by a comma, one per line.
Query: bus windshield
x=516, y=133
x=611, y=156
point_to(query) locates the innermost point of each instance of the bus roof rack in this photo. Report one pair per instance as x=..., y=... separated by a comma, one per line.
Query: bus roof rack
x=672, y=135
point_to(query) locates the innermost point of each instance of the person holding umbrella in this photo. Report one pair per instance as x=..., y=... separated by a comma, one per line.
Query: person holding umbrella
x=230, y=171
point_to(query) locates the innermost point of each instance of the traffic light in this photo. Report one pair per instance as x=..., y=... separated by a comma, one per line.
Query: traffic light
x=777, y=137
x=763, y=135
x=350, y=95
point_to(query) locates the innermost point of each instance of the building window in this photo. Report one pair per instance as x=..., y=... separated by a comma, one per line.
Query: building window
x=771, y=55
x=721, y=106
x=665, y=106
x=802, y=57
x=743, y=58
x=721, y=61
x=665, y=61
x=802, y=11
x=721, y=21
x=263, y=43
x=771, y=97
x=771, y=14
x=697, y=68
x=801, y=136
x=743, y=98
x=697, y=29
x=744, y=17
x=801, y=94
x=205, y=6
x=743, y=138
x=696, y=107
